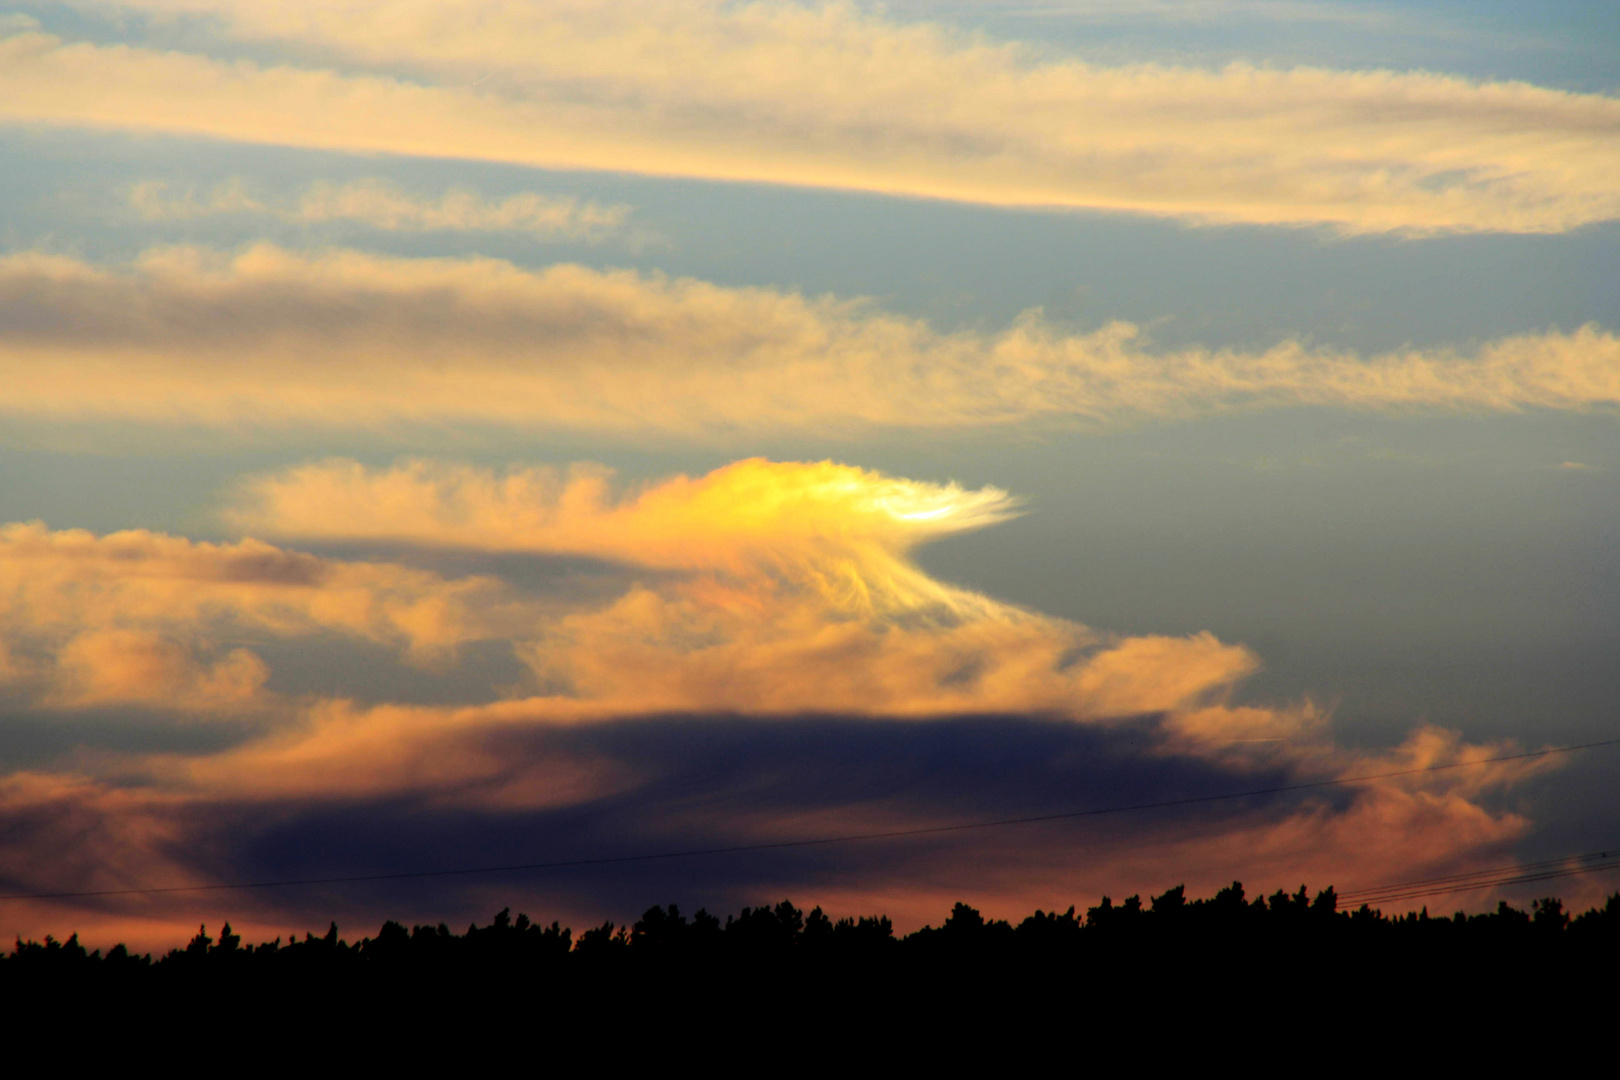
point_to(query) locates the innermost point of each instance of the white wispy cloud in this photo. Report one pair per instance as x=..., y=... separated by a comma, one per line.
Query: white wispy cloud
x=383, y=205
x=833, y=96
x=267, y=336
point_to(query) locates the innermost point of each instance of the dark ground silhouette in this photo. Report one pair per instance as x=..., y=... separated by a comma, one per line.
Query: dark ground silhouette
x=1226, y=940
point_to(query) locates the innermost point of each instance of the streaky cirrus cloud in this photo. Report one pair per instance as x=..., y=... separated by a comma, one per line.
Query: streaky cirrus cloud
x=833, y=96
x=265, y=336
x=383, y=205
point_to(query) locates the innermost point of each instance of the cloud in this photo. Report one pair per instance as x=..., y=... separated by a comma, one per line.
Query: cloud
x=270, y=337
x=145, y=619
x=794, y=588
x=153, y=201
x=756, y=507
x=1207, y=11
x=382, y=205
x=831, y=96
x=127, y=666
x=524, y=793
x=774, y=667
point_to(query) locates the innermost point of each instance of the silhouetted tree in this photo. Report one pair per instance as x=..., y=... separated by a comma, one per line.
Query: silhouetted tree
x=1115, y=953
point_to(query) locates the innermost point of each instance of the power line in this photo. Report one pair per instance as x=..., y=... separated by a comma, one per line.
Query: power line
x=1610, y=863
x=1486, y=873
x=927, y=830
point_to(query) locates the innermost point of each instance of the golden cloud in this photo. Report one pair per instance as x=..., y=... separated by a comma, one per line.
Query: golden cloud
x=795, y=590
x=266, y=336
x=764, y=590
x=138, y=617
x=832, y=96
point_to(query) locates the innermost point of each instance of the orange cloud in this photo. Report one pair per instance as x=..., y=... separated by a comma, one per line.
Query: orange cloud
x=799, y=593
x=1385, y=834
x=127, y=666
x=136, y=617
x=765, y=591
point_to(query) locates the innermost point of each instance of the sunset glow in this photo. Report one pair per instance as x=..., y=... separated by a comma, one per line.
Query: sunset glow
x=440, y=436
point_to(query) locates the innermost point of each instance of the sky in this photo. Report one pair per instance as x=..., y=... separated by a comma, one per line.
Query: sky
x=439, y=436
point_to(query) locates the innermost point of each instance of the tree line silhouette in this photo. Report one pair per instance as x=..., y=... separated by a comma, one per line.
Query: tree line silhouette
x=1130, y=943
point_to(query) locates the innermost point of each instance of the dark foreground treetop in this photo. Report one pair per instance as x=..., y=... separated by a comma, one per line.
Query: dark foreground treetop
x=1226, y=936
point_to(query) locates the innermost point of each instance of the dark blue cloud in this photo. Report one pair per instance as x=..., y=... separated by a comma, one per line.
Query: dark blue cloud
x=707, y=782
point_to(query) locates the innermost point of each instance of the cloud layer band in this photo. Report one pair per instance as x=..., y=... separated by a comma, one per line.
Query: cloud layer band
x=830, y=96
x=267, y=336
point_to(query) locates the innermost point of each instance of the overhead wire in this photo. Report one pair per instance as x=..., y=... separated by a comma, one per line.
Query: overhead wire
x=1480, y=884
x=1484, y=873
